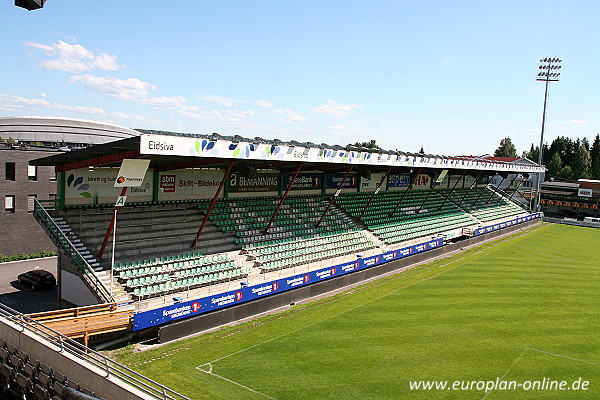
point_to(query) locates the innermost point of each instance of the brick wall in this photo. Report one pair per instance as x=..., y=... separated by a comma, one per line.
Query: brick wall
x=19, y=232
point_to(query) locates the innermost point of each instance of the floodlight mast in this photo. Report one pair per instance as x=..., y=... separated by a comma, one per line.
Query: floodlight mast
x=548, y=73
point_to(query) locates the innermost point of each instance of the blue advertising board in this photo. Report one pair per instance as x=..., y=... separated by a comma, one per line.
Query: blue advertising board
x=160, y=316
x=333, y=181
x=304, y=181
x=502, y=225
x=399, y=180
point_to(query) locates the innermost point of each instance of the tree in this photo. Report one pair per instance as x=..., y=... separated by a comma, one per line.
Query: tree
x=566, y=172
x=554, y=165
x=506, y=148
x=371, y=144
x=582, y=163
x=532, y=154
x=595, y=154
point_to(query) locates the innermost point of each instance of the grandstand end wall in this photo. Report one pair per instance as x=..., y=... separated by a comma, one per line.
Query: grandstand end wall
x=231, y=314
x=75, y=369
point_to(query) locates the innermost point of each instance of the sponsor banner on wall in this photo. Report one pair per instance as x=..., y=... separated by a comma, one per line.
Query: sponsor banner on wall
x=399, y=180
x=261, y=182
x=581, y=192
x=145, y=319
x=369, y=185
x=85, y=186
x=198, y=147
x=495, y=227
x=334, y=180
x=304, y=181
x=191, y=183
x=422, y=182
x=131, y=173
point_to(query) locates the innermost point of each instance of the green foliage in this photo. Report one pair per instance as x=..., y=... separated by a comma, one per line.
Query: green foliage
x=595, y=155
x=578, y=159
x=554, y=165
x=21, y=256
x=371, y=144
x=469, y=316
x=506, y=148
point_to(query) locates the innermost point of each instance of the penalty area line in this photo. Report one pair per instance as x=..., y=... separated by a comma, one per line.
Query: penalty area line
x=209, y=372
x=539, y=351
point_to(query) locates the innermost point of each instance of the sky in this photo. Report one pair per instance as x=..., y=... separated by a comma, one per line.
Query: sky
x=452, y=76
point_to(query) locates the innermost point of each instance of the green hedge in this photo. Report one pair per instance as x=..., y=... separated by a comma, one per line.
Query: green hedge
x=21, y=256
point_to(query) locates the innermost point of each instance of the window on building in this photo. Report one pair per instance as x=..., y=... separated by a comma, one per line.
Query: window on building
x=10, y=171
x=32, y=172
x=9, y=204
x=30, y=202
x=53, y=177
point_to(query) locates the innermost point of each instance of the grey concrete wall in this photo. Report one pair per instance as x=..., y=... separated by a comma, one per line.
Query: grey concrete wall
x=79, y=370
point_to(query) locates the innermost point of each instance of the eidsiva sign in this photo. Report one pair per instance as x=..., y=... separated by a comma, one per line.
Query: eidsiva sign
x=131, y=173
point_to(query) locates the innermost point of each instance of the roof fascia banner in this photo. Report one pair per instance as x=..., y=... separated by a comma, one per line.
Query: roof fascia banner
x=197, y=147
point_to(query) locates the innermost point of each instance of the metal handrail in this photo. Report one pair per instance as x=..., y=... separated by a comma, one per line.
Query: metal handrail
x=111, y=368
x=67, y=245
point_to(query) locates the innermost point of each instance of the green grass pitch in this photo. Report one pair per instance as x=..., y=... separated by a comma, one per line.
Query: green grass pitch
x=522, y=308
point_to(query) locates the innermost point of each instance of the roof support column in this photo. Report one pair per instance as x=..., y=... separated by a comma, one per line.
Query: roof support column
x=412, y=181
x=480, y=194
x=337, y=193
x=383, y=178
x=213, y=202
x=471, y=187
x=451, y=190
x=516, y=189
x=427, y=197
x=289, y=187
x=494, y=189
x=111, y=226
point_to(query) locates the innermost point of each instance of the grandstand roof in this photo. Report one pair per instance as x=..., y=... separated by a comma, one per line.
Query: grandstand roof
x=169, y=150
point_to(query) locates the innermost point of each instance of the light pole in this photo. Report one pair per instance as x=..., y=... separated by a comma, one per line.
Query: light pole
x=548, y=73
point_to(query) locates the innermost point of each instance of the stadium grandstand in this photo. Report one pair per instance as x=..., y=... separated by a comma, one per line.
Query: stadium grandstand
x=163, y=235
x=216, y=222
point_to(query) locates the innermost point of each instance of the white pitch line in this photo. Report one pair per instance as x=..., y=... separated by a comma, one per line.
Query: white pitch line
x=539, y=351
x=560, y=355
x=507, y=371
x=209, y=364
x=358, y=306
x=234, y=382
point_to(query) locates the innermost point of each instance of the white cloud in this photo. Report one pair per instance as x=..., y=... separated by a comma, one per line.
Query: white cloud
x=578, y=122
x=263, y=103
x=123, y=89
x=222, y=100
x=333, y=108
x=42, y=94
x=346, y=131
x=291, y=116
x=450, y=62
x=15, y=103
x=164, y=101
x=74, y=58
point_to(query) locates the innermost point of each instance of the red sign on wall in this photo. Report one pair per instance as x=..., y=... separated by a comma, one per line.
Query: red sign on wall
x=167, y=183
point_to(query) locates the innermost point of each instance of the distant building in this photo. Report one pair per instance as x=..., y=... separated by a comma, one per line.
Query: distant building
x=23, y=139
x=571, y=199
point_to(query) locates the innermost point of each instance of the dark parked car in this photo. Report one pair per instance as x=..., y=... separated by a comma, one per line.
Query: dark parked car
x=37, y=279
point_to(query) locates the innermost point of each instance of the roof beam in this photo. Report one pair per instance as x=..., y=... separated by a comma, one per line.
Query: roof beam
x=97, y=161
